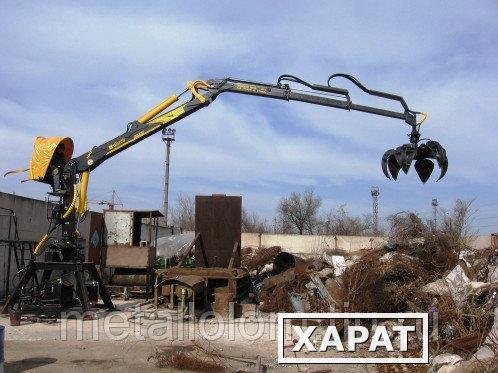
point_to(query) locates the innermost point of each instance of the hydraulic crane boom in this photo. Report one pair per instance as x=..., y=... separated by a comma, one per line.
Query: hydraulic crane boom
x=52, y=162
x=151, y=123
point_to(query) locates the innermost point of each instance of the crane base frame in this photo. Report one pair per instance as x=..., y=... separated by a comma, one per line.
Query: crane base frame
x=78, y=268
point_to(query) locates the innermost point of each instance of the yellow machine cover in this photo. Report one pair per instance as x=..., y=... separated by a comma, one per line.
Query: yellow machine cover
x=43, y=153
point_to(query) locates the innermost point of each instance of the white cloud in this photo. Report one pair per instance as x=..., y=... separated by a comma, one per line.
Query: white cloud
x=85, y=71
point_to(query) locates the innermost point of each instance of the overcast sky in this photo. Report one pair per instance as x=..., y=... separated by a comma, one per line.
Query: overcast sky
x=85, y=71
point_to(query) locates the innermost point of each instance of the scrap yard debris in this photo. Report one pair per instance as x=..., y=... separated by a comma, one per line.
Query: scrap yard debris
x=261, y=257
x=199, y=357
x=186, y=358
x=421, y=269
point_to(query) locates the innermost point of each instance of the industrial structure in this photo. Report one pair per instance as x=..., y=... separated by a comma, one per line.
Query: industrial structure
x=53, y=163
x=434, y=204
x=217, y=275
x=168, y=136
x=110, y=204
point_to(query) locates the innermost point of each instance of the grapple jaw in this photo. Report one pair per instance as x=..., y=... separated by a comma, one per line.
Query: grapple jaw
x=402, y=157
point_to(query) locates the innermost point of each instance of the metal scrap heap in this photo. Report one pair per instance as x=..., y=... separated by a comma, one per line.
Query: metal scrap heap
x=431, y=274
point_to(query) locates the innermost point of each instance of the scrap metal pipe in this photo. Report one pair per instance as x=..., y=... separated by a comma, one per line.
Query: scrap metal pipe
x=284, y=261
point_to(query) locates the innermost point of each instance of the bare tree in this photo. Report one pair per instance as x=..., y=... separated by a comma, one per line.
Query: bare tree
x=285, y=226
x=405, y=225
x=253, y=223
x=300, y=211
x=183, y=213
x=454, y=228
x=339, y=222
x=457, y=225
x=458, y=222
x=439, y=247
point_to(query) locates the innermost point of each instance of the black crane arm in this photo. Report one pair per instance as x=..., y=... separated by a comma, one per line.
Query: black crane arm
x=63, y=172
x=205, y=92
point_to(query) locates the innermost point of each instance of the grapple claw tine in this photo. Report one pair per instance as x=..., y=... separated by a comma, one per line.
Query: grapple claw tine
x=439, y=154
x=444, y=168
x=402, y=157
x=424, y=169
x=385, y=157
x=406, y=165
x=384, y=168
x=394, y=167
x=443, y=164
x=399, y=156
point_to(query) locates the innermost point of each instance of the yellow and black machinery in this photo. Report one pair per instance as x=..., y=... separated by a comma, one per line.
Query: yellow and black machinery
x=52, y=163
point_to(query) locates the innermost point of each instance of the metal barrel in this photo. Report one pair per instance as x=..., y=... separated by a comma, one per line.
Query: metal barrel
x=2, y=339
x=284, y=261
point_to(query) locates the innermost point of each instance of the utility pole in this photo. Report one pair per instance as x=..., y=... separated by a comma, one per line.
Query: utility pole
x=434, y=204
x=168, y=136
x=375, y=192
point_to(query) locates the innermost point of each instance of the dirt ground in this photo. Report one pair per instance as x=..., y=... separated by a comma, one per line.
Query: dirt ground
x=73, y=356
x=111, y=356
x=50, y=347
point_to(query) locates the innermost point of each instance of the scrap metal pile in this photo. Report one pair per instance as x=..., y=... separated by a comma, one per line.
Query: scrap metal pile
x=284, y=282
x=436, y=273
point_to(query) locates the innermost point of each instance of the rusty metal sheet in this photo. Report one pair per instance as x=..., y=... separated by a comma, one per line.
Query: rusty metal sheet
x=237, y=280
x=123, y=256
x=218, y=220
x=187, y=280
x=221, y=273
x=192, y=283
x=284, y=261
x=286, y=276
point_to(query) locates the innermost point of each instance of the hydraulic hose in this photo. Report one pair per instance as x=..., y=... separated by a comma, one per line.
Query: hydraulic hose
x=73, y=203
x=82, y=202
x=40, y=244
